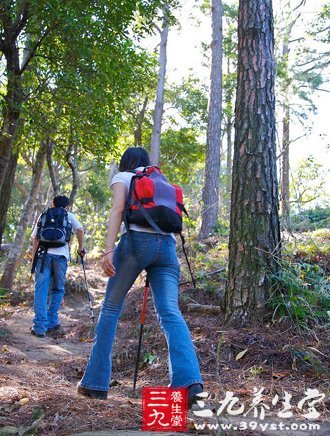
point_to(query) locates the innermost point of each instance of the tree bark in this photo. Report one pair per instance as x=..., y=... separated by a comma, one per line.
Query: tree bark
x=6, y=192
x=285, y=155
x=8, y=276
x=72, y=160
x=139, y=123
x=12, y=106
x=159, y=105
x=229, y=135
x=229, y=163
x=254, y=241
x=285, y=173
x=112, y=171
x=50, y=164
x=213, y=140
x=12, y=27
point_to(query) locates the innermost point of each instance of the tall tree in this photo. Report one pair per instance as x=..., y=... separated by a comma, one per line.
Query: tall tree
x=6, y=191
x=292, y=17
x=228, y=88
x=80, y=46
x=159, y=103
x=25, y=220
x=254, y=239
x=301, y=63
x=211, y=189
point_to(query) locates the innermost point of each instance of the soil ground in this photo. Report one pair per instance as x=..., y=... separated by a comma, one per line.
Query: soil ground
x=38, y=376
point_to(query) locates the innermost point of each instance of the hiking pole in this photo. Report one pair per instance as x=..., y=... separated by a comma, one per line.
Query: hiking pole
x=143, y=315
x=92, y=317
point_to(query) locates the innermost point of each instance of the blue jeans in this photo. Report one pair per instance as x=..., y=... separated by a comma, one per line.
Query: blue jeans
x=46, y=316
x=157, y=255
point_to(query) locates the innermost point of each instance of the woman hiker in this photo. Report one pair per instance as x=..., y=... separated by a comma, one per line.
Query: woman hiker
x=156, y=254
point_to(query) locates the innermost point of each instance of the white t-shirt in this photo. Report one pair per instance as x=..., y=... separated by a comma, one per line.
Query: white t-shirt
x=62, y=251
x=125, y=177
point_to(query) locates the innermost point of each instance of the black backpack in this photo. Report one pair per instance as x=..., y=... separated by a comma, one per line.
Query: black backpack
x=53, y=230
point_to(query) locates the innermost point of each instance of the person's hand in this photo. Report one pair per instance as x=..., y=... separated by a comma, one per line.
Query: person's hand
x=108, y=266
x=81, y=253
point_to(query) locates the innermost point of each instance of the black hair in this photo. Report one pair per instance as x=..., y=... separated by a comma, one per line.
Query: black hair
x=61, y=201
x=134, y=157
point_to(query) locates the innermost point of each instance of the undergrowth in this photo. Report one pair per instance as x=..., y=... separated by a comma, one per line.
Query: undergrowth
x=301, y=291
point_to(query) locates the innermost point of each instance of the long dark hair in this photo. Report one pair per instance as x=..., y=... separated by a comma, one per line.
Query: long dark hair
x=134, y=157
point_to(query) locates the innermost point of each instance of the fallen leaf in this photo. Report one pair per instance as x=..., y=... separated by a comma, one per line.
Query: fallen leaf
x=23, y=401
x=241, y=354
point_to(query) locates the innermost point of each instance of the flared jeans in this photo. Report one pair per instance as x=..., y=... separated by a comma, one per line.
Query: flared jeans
x=156, y=254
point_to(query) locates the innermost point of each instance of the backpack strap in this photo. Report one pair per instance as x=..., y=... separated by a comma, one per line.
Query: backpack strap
x=36, y=258
x=43, y=260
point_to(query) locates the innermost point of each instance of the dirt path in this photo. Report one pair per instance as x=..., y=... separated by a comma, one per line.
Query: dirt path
x=46, y=349
x=38, y=376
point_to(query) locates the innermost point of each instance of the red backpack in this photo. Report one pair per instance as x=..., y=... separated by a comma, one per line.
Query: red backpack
x=154, y=202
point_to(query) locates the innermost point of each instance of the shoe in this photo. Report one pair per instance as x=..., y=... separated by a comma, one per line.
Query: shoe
x=54, y=329
x=92, y=393
x=38, y=335
x=193, y=391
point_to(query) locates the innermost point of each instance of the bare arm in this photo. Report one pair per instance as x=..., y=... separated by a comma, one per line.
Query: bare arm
x=80, y=237
x=34, y=246
x=115, y=219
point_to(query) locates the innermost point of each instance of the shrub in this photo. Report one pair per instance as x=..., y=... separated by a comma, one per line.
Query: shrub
x=302, y=293
x=311, y=219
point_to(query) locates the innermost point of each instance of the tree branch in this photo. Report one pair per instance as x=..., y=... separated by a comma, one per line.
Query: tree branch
x=322, y=89
x=35, y=48
x=302, y=3
x=22, y=18
x=322, y=65
x=5, y=17
x=312, y=60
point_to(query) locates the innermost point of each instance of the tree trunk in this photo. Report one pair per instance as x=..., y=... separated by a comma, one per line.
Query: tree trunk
x=229, y=135
x=6, y=192
x=112, y=171
x=25, y=220
x=72, y=160
x=139, y=123
x=159, y=105
x=229, y=163
x=11, y=117
x=50, y=164
x=213, y=141
x=254, y=241
x=12, y=107
x=285, y=158
x=285, y=173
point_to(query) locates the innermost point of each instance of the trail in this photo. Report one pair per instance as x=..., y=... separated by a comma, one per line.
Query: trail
x=46, y=349
x=38, y=376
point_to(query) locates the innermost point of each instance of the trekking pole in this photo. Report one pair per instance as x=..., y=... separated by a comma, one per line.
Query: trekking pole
x=143, y=315
x=92, y=317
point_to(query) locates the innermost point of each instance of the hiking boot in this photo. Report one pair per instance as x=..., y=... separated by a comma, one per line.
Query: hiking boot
x=56, y=332
x=91, y=393
x=38, y=335
x=54, y=329
x=193, y=391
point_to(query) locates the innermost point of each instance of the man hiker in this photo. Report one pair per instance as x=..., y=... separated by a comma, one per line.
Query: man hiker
x=50, y=254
